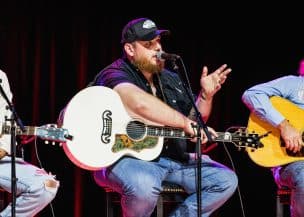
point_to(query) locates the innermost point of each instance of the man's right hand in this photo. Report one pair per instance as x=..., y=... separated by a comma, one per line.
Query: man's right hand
x=291, y=136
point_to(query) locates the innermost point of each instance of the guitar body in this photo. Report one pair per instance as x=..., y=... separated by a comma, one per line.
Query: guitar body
x=97, y=120
x=273, y=153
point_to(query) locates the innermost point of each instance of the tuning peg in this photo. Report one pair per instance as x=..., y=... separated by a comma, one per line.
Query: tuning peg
x=68, y=137
x=46, y=142
x=53, y=143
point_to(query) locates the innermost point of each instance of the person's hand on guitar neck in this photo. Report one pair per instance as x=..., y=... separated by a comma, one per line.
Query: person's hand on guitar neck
x=291, y=136
x=191, y=129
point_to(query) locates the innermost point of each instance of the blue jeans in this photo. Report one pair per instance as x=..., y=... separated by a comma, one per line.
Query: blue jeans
x=292, y=176
x=34, y=190
x=139, y=183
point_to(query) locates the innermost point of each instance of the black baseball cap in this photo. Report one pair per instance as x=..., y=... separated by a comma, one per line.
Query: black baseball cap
x=141, y=29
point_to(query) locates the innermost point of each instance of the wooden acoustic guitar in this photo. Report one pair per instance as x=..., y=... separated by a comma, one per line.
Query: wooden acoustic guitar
x=272, y=151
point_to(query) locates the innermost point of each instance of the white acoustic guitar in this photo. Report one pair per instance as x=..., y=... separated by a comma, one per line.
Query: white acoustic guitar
x=103, y=132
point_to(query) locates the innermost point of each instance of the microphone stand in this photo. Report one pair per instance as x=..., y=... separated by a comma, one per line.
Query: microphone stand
x=201, y=125
x=13, y=119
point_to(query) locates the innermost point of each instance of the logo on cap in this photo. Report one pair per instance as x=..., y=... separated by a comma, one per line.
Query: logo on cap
x=148, y=24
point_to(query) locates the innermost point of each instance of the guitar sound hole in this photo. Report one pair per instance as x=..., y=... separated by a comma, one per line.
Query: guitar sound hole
x=136, y=130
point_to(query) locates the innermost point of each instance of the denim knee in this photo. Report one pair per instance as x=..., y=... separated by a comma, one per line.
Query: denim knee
x=145, y=190
x=231, y=180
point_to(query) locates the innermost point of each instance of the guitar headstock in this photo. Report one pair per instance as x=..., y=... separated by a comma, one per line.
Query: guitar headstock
x=241, y=138
x=51, y=132
x=244, y=139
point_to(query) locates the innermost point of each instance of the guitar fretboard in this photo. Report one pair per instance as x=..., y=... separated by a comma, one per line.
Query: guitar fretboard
x=29, y=130
x=178, y=133
x=166, y=132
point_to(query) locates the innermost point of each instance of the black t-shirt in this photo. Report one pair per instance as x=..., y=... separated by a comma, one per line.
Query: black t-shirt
x=122, y=71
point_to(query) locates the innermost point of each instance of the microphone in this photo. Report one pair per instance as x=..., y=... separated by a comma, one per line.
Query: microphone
x=161, y=55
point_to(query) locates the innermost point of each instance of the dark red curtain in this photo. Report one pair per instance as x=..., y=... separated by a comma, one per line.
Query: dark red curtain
x=50, y=53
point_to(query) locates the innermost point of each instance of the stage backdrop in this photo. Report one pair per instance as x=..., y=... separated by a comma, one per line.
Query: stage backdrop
x=49, y=57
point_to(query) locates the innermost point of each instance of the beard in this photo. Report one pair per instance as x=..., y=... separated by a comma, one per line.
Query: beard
x=144, y=65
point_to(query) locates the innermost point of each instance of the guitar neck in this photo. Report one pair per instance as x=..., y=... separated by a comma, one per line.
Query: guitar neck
x=170, y=132
x=29, y=130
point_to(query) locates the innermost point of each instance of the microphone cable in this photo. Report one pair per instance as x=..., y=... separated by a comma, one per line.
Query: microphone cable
x=41, y=166
x=234, y=169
